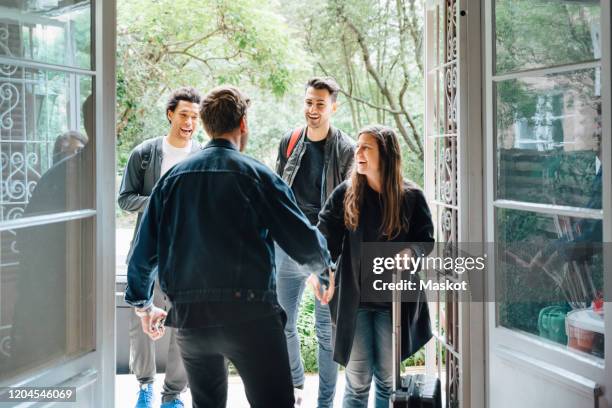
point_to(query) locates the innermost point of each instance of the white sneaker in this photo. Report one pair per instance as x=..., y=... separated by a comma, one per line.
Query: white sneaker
x=299, y=397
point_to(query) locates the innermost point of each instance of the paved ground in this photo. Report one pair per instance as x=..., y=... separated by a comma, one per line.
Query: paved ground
x=126, y=388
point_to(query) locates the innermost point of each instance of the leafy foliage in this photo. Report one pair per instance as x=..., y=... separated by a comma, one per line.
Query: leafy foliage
x=164, y=44
x=374, y=50
x=259, y=46
x=306, y=330
x=539, y=33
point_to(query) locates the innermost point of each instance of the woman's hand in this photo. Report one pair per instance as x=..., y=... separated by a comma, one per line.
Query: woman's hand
x=322, y=295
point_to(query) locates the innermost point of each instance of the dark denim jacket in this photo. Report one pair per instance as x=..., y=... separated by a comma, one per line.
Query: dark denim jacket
x=140, y=176
x=210, y=227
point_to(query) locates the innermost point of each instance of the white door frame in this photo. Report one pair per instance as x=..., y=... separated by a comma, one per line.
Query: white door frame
x=471, y=188
x=470, y=198
x=106, y=27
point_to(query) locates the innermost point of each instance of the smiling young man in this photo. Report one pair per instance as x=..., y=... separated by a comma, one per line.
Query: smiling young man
x=312, y=160
x=147, y=163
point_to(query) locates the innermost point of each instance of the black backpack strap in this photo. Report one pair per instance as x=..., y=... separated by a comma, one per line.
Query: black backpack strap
x=146, y=157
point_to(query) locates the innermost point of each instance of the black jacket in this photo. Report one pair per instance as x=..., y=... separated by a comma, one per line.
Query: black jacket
x=209, y=230
x=344, y=246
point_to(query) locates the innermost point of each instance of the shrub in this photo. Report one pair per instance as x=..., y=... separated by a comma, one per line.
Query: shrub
x=307, y=333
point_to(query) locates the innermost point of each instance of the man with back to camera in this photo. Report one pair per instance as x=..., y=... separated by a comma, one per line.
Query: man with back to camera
x=215, y=261
x=312, y=160
x=147, y=163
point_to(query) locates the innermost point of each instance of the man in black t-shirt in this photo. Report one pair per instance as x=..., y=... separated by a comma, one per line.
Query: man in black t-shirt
x=313, y=160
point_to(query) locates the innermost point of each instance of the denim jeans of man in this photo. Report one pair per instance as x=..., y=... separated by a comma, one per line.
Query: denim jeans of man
x=290, y=284
x=142, y=354
x=371, y=356
x=256, y=348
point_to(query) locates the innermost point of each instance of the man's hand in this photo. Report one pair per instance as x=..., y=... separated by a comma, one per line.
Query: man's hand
x=323, y=295
x=153, y=322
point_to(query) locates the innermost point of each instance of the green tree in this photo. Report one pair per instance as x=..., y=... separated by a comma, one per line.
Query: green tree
x=164, y=44
x=374, y=50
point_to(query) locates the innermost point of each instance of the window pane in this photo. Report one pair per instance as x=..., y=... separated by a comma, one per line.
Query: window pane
x=46, y=295
x=46, y=142
x=548, y=139
x=542, y=33
x=549, y=276
x=50, y=31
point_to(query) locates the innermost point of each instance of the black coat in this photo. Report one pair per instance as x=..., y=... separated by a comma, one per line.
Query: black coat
x=344, y=246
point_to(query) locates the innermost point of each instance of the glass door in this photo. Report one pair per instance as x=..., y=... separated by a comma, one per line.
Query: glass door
x=52, y=290
x=545, y=99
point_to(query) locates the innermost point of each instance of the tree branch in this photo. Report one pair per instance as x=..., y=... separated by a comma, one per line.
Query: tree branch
x=404, y=65
x=193, y=43
x=381, y=85
x=371, y=105
x=205, y=61
x=417, y=36
x=349, y=78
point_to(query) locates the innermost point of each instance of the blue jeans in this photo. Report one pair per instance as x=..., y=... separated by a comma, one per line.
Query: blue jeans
x=290, y=283
x=371, y=355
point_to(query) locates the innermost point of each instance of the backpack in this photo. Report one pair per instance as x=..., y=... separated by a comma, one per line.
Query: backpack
x=295, y=136
x=146, y=159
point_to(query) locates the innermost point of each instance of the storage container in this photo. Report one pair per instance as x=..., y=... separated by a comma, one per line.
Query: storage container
x=551, y=323
x=585, y=329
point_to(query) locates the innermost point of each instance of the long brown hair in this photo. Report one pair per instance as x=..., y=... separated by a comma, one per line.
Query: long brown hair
x=390, y=163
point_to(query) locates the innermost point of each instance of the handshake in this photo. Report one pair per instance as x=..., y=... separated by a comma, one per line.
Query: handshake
x=323, y=295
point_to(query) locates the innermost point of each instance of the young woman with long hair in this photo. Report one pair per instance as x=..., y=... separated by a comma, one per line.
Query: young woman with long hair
x=375, y=204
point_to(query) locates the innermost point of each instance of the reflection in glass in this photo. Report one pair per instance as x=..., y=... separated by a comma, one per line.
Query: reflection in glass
x=549, y=271
x=441, y=33
x=46, y=129
x=46, y=292
x=435, y=100
x=542, y=33
x=548, y=139
x=55, y=32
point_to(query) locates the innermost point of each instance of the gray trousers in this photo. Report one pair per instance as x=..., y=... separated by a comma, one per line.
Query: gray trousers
x=142, y=354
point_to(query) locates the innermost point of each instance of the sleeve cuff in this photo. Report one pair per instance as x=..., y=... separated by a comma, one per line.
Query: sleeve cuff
x=140, y=304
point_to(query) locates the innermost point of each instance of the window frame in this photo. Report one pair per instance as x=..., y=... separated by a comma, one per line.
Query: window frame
x=503, y=341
